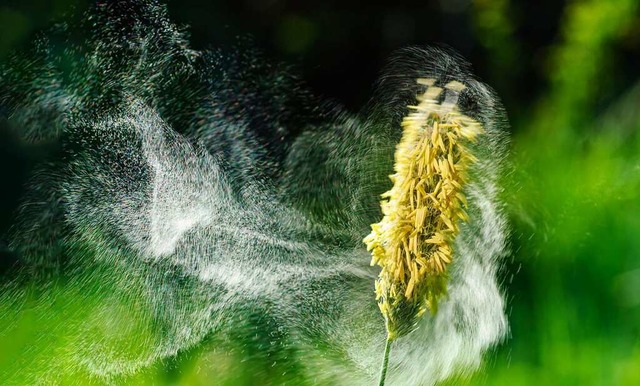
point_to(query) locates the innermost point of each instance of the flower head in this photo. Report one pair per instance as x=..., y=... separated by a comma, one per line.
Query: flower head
x=413, y=243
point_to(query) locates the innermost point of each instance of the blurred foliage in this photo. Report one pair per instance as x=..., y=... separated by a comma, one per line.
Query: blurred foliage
x=576, y=190
x=569, y=77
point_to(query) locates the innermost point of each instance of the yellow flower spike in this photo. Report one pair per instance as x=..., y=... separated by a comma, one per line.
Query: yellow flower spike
x=413, y=243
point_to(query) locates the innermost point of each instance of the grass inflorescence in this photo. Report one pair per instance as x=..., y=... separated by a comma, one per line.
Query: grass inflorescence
x=413, y=243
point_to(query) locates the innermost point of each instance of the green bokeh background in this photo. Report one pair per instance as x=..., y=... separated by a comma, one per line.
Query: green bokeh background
x=568, y=73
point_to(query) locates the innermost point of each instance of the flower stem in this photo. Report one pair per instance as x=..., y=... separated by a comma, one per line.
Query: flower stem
x=385, y=362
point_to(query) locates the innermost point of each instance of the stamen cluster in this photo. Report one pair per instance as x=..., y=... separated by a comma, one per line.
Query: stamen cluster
x=413, y=244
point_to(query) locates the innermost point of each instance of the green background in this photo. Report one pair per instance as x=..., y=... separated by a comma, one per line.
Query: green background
x=568, y=75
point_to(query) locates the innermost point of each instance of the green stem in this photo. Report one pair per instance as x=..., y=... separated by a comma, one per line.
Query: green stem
x=385, y=362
